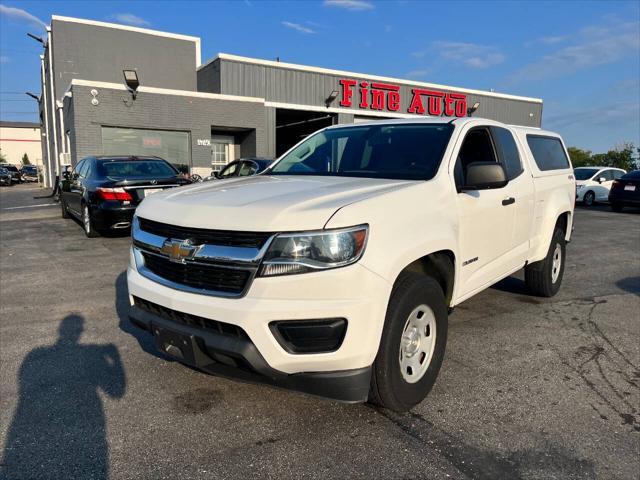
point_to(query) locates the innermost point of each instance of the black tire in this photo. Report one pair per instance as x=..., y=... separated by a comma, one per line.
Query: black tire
x=616, y=207
x=87, y=226
x=589, y=199
x=63, y=207
x=544, y=278
x=389, y=389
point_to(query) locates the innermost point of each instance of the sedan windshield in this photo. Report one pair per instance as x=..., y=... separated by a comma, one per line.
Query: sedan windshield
x=400, y=151
x=585, y=173
x=135, y=169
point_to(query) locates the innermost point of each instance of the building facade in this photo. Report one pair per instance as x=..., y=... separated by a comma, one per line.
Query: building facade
x=18, y=139
x=200, y=117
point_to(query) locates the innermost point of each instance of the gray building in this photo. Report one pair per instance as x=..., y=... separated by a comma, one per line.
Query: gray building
x=203, y=116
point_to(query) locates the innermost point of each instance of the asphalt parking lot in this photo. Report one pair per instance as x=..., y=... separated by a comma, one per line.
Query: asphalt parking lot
x=530, y=388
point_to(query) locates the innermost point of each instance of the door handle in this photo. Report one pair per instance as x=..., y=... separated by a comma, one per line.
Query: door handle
x=508, y=201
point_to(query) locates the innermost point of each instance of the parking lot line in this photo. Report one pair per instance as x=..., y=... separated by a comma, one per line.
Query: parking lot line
x=32, y=206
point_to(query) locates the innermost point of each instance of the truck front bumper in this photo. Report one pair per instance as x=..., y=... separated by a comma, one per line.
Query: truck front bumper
x=352, y=293
x=235, y=356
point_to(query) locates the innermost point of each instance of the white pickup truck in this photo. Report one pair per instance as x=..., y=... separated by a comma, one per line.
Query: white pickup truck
x=333, y=272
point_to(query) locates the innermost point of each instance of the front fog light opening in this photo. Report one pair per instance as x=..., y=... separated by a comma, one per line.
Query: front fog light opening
x=310, y=336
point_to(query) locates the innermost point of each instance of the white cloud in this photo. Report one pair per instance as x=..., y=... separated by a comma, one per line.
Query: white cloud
x=553, y=39
x=470, y=55
x=601, y=115
x=417, y=74
x=593, y=46
x=550, y=40
x=20, y=14
x=350, y=4
x=298, y=28
x=129, y=19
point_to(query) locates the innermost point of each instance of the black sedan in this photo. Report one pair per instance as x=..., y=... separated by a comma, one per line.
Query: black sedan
x=103, y=192
x=13, y=170
x=5, y=177
x=625, y=191
x=243, y=167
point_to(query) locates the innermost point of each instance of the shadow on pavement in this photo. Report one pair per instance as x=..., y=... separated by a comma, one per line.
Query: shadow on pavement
x=144, y=338
x=512, y=285
x=629, y=284
x=59, y=428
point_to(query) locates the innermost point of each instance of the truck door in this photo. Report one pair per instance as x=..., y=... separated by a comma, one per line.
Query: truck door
x=486, y=217
x=521, y=189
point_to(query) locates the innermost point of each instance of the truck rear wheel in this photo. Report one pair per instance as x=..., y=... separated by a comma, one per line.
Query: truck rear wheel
x=544, y=277
x=412, y=345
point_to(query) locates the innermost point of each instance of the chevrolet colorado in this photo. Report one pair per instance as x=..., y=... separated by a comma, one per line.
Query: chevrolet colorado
x=333, y=272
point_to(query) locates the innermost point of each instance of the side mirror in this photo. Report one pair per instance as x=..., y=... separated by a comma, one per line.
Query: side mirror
x=484, y=176
x=601, y=179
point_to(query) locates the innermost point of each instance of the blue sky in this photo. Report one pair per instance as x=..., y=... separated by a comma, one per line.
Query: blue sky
x=581, y=58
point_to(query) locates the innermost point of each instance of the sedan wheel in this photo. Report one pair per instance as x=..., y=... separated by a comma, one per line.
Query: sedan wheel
x=589, y=199
x=87, y=224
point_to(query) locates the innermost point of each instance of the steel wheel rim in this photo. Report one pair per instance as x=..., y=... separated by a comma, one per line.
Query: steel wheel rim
x=556, y=263
x=86, y=220
x=417, y=343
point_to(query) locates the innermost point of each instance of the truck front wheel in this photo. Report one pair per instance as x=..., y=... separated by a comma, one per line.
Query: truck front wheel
x=544, y=277
x=412, y=345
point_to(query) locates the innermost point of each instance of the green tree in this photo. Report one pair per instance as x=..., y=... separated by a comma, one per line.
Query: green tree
x=579, y=157
x=3, y=159
x=625, y=156
x=619, y=157
x=25, y=159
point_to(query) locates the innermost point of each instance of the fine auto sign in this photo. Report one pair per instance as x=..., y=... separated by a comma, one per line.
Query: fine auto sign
x=385, y=96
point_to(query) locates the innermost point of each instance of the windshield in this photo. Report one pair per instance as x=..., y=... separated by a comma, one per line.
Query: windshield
x=585, y=173
x=402, y=151
x=135, y=169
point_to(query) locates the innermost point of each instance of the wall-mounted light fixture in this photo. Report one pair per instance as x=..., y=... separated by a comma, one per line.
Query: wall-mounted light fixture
x=132, y=82
x=34, y=96
x=330, y=99
x=472, y=110
x=36, y=38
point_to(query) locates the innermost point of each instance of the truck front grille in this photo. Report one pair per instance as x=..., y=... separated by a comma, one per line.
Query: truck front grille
x=202, y=235
x=199, y=275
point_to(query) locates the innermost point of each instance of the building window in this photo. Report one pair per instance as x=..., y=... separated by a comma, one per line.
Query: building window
x=219, y=156
x=170, y=145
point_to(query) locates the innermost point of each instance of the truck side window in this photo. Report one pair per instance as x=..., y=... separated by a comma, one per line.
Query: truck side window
x=507, y=152
x=477, y=147
x=548, y=152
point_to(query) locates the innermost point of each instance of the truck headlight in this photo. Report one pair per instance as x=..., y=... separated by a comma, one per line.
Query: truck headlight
x=291, y=253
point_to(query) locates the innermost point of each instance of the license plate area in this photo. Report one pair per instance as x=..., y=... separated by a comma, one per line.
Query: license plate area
x=145, y=192
x=630, y=188
x=174, y=344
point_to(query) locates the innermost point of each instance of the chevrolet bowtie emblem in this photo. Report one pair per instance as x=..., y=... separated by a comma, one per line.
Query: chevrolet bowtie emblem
x=179, y=250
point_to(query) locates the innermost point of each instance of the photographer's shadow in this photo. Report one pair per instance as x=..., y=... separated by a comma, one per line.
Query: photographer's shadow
x=144, y=338
x=58, y=429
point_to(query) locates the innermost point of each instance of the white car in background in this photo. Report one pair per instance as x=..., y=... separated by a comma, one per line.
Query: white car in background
x=593, y=183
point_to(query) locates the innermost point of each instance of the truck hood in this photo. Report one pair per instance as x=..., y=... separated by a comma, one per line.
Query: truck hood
x=262, y=203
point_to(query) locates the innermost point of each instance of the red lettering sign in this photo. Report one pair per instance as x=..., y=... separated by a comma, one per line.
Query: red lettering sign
x=386, y=97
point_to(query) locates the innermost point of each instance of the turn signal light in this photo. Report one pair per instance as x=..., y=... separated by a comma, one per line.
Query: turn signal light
x=113, y=194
